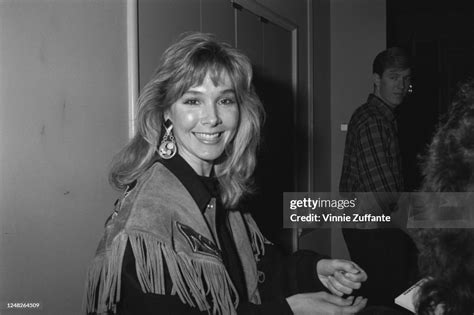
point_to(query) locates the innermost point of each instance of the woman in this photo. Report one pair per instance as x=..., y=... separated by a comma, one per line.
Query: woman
x=447, y=254
x=178, y=242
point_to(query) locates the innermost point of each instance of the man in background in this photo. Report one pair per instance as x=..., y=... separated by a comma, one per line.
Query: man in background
x=372, y=164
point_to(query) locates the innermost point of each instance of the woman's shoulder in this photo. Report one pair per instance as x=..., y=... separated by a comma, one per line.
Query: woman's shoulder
x=154, y=179
x=146, y=199
x=158, y=196
x=160, y=182
x=156, y=185
x=156, y=172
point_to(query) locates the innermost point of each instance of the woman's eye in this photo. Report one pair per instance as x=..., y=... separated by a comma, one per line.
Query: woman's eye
x=191, y=101
x=227, y=101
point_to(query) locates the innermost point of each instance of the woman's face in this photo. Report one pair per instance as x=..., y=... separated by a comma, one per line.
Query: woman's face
x=204, y=121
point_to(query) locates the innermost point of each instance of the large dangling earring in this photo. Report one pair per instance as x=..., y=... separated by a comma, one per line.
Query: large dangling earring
x=167, y=148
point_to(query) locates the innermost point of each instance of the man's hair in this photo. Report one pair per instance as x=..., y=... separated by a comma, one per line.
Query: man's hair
x=394, y=57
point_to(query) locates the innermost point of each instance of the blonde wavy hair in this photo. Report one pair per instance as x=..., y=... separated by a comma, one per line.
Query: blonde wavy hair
x=184, y=65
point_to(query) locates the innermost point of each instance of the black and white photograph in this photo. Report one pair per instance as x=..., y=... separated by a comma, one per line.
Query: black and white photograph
x=240, y=157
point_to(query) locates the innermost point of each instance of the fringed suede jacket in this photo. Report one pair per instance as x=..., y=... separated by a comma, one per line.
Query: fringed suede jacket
x=171, y=248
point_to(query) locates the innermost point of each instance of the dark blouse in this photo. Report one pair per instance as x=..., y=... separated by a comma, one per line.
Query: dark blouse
x=279, y=284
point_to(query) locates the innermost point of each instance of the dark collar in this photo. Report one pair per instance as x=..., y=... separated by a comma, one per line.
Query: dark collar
x=201, y=188
x=383, y=107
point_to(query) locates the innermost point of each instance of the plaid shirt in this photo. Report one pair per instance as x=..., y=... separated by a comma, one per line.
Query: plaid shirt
x=372, y=158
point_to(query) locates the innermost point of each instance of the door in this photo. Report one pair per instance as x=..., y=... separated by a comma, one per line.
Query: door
x=270, y=48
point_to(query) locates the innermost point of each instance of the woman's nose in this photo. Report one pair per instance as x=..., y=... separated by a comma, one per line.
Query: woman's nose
x=210, y=115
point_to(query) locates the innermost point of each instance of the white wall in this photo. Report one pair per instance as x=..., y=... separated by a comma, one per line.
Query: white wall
x=63, y=114
x=358, y=33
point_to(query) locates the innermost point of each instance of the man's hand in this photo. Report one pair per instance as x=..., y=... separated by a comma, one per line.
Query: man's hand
x=340, y=276
x=323, y=303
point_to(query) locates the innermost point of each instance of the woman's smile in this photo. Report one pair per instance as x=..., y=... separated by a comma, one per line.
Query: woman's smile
x=207, y=137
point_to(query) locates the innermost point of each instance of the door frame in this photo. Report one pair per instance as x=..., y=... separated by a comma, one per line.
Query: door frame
x=132, y=63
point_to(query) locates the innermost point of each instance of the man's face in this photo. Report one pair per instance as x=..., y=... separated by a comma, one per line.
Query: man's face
x=393, y=86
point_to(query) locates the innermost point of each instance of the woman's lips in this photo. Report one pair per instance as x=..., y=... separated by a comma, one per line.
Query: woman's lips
x=208, y=137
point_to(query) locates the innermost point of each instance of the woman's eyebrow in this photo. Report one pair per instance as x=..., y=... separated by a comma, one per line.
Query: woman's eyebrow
x=196, y=92
x=228, y=91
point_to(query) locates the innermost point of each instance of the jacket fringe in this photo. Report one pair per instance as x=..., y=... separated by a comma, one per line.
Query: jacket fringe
x=197, y=282
x=256, y=237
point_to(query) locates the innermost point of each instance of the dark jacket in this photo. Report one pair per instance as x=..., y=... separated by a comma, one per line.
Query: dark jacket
x=278, y=276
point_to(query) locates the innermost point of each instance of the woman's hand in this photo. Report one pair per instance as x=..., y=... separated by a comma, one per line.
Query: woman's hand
x=320, y=303
x=340, y=276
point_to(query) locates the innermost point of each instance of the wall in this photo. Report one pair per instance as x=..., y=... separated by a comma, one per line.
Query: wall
x=358, y=33
x=322, y=94
x=63, y=114
x=320, y=239
x=346, y=37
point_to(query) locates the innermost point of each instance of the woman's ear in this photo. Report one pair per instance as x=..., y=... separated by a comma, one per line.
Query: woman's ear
x=166, y=115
